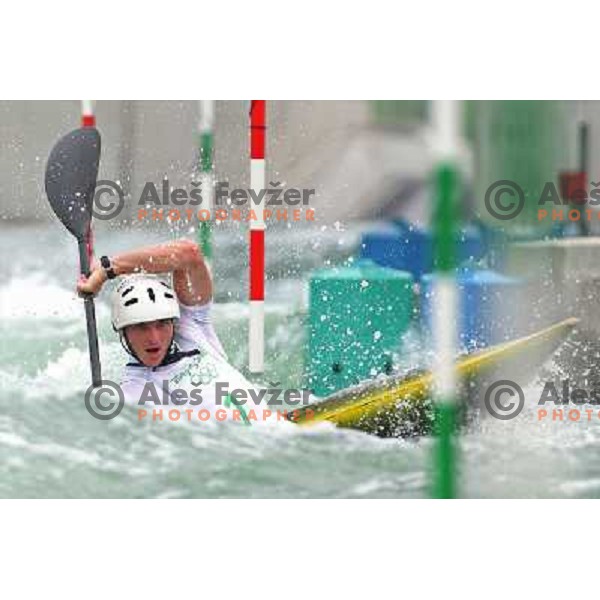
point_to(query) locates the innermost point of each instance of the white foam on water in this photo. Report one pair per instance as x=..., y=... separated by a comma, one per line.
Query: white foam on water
x=171, y=493
x=64, y=455
x=406, y=481
x=232, y=311
x=73, y=455
x=63, y=378
x=578, y=487
x=35, y=296
x=13, y=440
x=69, y=374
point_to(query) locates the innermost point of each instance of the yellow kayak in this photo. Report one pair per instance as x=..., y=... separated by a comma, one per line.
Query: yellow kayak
x=370, y=405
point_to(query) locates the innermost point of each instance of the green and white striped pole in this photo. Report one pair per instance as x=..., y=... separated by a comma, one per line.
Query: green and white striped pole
x=205, y=166
x=446, y=130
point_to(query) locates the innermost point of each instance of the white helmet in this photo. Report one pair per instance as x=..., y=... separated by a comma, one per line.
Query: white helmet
x=141, y=298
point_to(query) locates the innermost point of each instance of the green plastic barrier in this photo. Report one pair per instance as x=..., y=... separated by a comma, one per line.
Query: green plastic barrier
x=523, y=142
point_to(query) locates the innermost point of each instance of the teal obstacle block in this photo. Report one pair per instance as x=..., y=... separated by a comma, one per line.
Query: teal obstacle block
x=357, y=318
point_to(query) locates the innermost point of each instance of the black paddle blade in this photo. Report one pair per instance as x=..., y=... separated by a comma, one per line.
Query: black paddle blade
x=71, y=174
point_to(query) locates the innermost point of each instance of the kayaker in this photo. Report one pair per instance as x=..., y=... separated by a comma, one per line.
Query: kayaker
x=168, y=331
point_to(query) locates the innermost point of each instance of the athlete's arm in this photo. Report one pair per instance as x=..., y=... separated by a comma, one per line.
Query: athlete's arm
x=183, y=258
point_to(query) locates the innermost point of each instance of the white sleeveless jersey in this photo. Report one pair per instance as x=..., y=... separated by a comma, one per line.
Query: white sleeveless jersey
x=197, y=387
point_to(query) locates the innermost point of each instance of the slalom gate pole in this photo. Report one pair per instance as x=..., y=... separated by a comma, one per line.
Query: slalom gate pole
x=446, y=129
x=205, y=166
x=256, y=342
x=88, y=119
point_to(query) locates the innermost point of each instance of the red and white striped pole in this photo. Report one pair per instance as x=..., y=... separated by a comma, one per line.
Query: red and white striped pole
x=88, y=119
x=256, y=343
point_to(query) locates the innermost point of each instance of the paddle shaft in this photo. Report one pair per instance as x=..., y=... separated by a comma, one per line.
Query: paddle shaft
x=90, y=316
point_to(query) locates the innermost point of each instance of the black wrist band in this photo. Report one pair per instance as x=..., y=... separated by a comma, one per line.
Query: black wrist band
x=105, y=262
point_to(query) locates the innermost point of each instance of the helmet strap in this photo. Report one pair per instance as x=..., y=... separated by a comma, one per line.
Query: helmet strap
x=126, y=346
